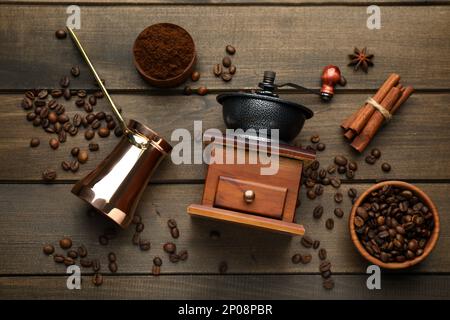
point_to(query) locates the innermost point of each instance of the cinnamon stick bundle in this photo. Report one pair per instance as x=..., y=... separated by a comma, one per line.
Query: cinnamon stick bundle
x=362, y=125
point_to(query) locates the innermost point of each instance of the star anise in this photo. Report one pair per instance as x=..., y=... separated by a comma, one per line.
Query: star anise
x=360, y=59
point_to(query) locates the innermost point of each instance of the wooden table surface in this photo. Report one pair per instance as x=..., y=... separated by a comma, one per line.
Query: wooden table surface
x=294, y=38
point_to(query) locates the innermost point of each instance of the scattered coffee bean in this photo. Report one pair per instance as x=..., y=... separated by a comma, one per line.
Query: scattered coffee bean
x=62, y=136
x=58, y=258
x=175, y=233
x=342, y=169
x=65, y=82
x=82, y=251
x=75, y=71
x=195, y=76
x=376, y=153
x=352, y=193
x=340, y=160
x=320, y=146
x=103, y=132
x=338, y=197
x=72, y=254
x=97, y=279
x=328, y=283
x=89, y=134
x=156, y=270
x=318, y=211
x=316, y=244
x=223, y=267
x=319, y=190
x=86, y=263
x=61, y=34
x=92, y=100
x=306, y=258
x=48, y=249
x=322, y=254
x=217, y=70
x=370, y=159
x=386, y=167
x=331, y=169
x=352, y=166
x=311, y=194
x=226, y=61
x=296, y=258
x=74, y=166
x=187, y=90
x=329, y=224
x=112, y=266
x=183, y=255
x=54, y=143
x=75, y=151
x=315, y=138
x=49, y=175
x=230, y=49
x=226, y=76
x=307, y=242
x=34, y=142
x=169, y=247
x=83, y=156
x=136, y=238
x=68, y=261
x=157, y=261
x=201, y=91
x=140, y=227
x=350, y=174
x=174, y=258
x=335, y=182
x=171, y=223
x=232, y=69
x=338, y=212
x=94, y=147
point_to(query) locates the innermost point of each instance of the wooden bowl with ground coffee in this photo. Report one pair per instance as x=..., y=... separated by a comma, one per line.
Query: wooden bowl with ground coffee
x=164, y=55
x=394, y=225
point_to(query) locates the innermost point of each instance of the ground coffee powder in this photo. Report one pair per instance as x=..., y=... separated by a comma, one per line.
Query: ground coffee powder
x=164, y=50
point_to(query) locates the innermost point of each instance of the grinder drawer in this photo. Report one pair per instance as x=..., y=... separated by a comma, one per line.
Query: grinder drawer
x=251, y=197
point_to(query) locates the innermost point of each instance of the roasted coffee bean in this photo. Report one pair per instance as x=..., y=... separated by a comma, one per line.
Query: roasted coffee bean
x=88, y=107
x=103, y=132
x=201, y=91
x=82, y=94
x=64, y=82
x=97, y=279
x=61, y=34
x=60, y=109
x=140, y=227
x=183, y=255
x=156, y=270
x=328, y=283
x=315, y=138
x=306, y=258
x=111, y=125
x=370, y=159
x=96, y=266
x=37, y=121
x=226, y=76
x=144, y=245
x=27, y=104
x=92, y=100
x=169, y=247
x=103, y=240
x=325, y=181
x=58, y=258
x=307, y=242
x=52, y=117
x=44, y=112
x=39, y=104
x=45, y=123
x=318, y=212
x=171, y=223
x=75, y=71
x=340, y=160
x=42, y=94
x=31, y=116
x=34, y=142
x=217, y=70
x=296, y=258
x=335, y=182
x=230, y=49
x=352, y=166
x=73, y=130
x=135, y=239
x=386, y=167
x=66, y=94
x=83, y=156
x=375, y=153
x=226, y=61
x=338, y=197
x=338, y=212
x=74, y=166
x=58, y=127
x=68, y=261
x=95, y=124
x=352, y=193
x=322, y=254
x=62, y=137
x=157, y=261
x=89, y=134
x=136, y=219
x=75, y=151
x=48, y=249
x=65, y=243
x=63, y=118
x=118, y=132
x=187, y=91
x=232, y=69
x=342, y=169
x=319, y=190
x=325, y=266
x=195, y=76
x=329, y=224
x=175, y=233
x=72, y=254
x=331, y=169
x=50, y=129
x=82, y=251
x=112, y=267
x=86, y=263
x=54, y=143
x=223, y=267
x=49, y=175
x=56, y=93
x=79, y=103
x=311, y=194
x=322, y=173
x=94, y=147
x=30, y=95
x=320, y=146
x=316, y=244
x=350, y=174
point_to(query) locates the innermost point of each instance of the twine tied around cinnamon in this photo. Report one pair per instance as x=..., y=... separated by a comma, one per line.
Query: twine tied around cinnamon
x=384, y=112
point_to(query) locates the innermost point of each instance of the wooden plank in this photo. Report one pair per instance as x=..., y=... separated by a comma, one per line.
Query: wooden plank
x=228, y=287
x=296, y=42
x=230, y=2
x=414, y=142
x=33, y=215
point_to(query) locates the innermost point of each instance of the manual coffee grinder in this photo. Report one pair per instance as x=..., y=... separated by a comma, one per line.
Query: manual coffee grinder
x=238, y=192
x=116, y=185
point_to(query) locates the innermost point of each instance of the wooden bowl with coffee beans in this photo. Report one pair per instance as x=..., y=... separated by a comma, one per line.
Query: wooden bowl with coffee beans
x=394, y=225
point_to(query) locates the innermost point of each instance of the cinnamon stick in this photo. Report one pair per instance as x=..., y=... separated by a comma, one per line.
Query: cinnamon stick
x=375, y=121
x=357, y=123
x=406, y=92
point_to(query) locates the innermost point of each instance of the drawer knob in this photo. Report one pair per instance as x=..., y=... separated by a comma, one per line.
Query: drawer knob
x=249, y=196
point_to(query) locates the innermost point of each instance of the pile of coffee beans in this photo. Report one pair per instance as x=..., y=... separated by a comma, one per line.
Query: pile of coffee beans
x=70, y=256
x=393, y=224
x=226, y=69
